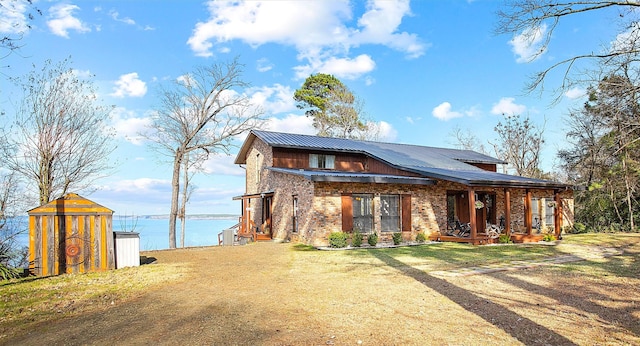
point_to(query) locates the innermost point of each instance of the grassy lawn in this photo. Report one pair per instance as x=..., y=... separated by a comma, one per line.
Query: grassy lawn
x=35, y=299
x=29, y=302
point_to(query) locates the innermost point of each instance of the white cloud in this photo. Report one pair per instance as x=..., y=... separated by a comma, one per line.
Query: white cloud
x=529, y=45
x=507, y=106
x=443, y=112
x=291, y=123
x=626, y=41
x=222, y=164
x=129, y=85
x=319, y=30
x=339, y=67
x=369, y=81
x=140, y=186
x=128, y=126
x=273, y=100
x=13, y=17
x=379, y=26
x=386, y=132
x=116, y=16
x=575, y=93
x=62, y=20
x=263, y=65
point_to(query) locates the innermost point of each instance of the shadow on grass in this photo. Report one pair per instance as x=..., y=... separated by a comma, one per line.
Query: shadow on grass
x=452, y=255
x=518, y=326
x=583, y=299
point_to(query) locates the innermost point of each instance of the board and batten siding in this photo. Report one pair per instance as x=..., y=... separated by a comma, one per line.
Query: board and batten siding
x=70, y=235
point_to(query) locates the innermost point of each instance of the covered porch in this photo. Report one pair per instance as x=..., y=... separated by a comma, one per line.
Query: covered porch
x=255, y=222
x=478, y=215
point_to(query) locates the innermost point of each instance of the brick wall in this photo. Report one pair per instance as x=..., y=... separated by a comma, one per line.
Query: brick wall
x=320, y=209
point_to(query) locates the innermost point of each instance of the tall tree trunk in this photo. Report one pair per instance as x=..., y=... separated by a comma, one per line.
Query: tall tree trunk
x=175, y=191
x=185, y=192
x=627, y=186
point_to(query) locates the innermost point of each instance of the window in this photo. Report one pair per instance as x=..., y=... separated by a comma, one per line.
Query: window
x=362, y=213
x=322, y=161
x=295, y=214
x=390, y=213
x=542, y=213
x=258, y=167
x=550, y=212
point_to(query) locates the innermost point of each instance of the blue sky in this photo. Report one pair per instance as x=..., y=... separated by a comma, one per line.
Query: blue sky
x=422, y=69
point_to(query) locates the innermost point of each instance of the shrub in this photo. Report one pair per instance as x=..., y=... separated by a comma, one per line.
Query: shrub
x=504, y=239
x=420, y=237
x=397, y=238
x=372, y=239
x=338, y=239
x=549, y=237
x=579, y=228
x=356, y=240
x=7, y=273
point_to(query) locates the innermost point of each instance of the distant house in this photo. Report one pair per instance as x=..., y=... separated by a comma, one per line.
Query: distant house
x=302, y=188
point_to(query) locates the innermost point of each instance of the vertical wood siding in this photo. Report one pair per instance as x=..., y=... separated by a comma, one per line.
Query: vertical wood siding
x=73, y=238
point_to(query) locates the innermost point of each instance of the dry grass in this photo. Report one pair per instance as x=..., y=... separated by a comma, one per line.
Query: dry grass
x=284, y=294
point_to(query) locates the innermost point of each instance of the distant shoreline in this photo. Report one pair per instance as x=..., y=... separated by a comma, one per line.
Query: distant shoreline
x=189, y=217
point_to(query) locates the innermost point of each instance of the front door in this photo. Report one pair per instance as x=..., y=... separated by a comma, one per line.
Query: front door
x=266, y=216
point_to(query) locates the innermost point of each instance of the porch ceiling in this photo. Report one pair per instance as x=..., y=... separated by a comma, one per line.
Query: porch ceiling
x=354, y=177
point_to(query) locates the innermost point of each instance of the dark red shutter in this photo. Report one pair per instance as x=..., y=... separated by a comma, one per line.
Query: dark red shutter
x=347, y=213
x=406, y=213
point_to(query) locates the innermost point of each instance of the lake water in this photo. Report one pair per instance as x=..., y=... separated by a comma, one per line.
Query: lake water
x=154, y=233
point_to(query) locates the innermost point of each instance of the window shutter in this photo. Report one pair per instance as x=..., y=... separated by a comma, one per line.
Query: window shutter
x=406, y=213
x=347, y=213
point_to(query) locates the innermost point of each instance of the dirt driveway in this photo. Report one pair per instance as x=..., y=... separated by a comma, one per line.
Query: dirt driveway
x=278, y=294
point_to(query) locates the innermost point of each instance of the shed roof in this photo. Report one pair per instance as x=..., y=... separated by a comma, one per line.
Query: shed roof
x=71, y=204
x=430, y=162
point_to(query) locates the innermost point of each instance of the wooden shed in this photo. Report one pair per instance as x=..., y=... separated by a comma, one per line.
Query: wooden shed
x=70, y=235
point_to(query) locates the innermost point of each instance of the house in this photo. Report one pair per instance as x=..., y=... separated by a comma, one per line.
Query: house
x=302, y=188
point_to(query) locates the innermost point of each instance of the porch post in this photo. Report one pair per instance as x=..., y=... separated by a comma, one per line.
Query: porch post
x=557, y=214
x=472, y=212
x=527, y=212
x=507, y=211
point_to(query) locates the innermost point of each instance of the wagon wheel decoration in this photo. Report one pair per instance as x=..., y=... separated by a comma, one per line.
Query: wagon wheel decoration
x=74, y=249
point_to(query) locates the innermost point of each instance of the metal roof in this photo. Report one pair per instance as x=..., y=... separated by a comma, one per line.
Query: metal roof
x=430, y=162
x=354, y=177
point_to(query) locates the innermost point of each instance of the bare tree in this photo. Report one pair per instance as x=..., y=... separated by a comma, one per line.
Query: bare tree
x=200, y=114
x=60, y=140
x=189, y=168
x=12, y=255
x=16, y=17
x=520, y=143
x=467, y=140
x=528, y=18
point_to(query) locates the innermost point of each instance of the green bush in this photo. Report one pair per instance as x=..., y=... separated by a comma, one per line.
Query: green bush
x=420, y=237
x=338, y=239
x=356, y=240
x=549, y=237
x=504, y=239
x=397, y=238
x=7, y=273
x=372, y=239
x=578, y=228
